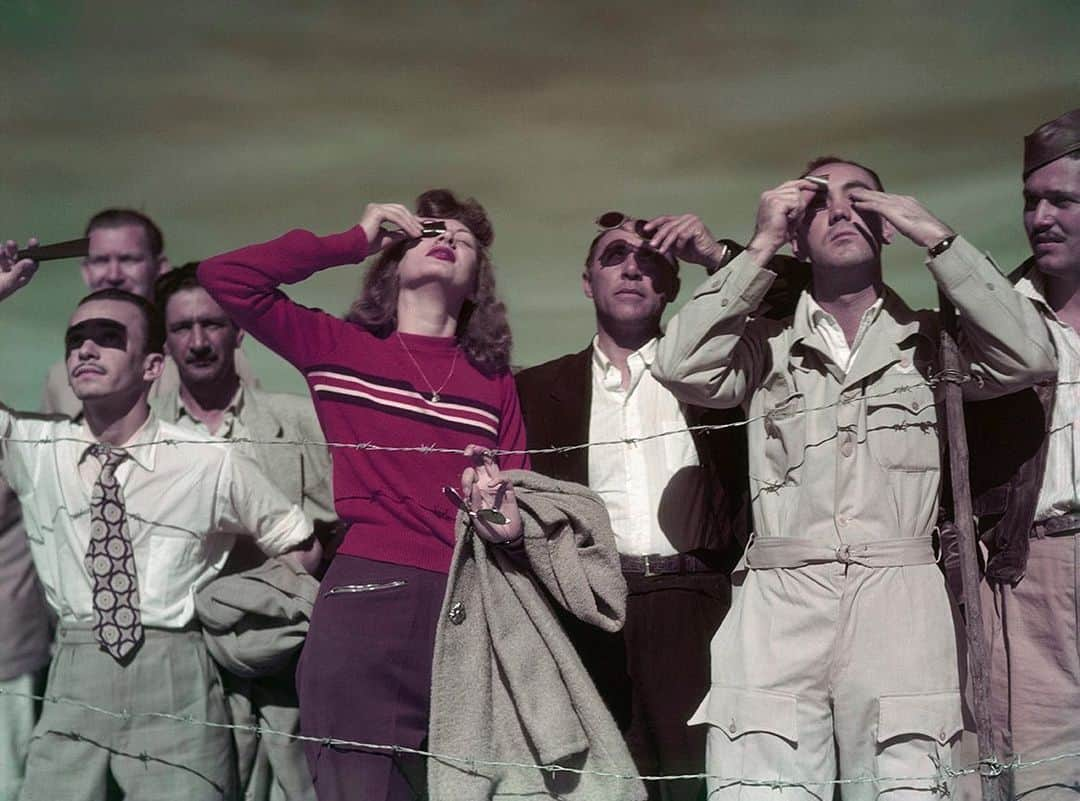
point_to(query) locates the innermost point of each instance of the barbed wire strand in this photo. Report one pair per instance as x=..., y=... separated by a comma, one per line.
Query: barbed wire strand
x=988, y=767
x=939, y=378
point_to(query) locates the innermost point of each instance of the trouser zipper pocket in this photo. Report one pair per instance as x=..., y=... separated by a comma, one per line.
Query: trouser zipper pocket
x=342, y=589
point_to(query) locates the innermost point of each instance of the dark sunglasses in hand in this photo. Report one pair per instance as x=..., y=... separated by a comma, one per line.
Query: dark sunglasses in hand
x=492, y=516
x=617, y=252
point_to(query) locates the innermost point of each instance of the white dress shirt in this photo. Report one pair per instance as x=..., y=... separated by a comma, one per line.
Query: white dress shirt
x=185, y=504
x=654, y=490
x=1060, y=491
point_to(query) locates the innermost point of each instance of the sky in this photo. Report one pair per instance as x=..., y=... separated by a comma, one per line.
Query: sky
x=231, y=123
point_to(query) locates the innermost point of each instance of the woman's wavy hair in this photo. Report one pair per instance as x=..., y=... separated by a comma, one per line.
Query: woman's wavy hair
x=483, y=332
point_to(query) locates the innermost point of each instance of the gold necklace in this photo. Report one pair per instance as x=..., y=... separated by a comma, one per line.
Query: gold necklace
x=434, y=392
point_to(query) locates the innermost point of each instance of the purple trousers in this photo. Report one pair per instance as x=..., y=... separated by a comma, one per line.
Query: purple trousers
x=365, y=676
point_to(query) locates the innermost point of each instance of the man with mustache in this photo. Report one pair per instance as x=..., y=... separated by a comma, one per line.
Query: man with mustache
x=204, y=344
x=1025, y=473
x=677, y=499
x=126, y=251
x=211, y=400
x=125, y=524
x=840, y=657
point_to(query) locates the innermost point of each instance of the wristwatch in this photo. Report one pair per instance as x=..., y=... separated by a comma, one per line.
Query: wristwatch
x=936, y=250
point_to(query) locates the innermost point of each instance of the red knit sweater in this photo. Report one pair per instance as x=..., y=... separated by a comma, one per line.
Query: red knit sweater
x=367, y=390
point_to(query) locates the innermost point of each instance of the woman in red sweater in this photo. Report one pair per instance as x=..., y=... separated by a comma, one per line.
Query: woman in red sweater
x=421, y=360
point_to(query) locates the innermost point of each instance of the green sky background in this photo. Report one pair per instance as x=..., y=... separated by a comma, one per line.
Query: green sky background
x=233, y=122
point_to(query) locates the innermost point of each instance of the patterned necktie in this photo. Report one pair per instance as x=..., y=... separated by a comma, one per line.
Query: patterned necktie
x=110, y=561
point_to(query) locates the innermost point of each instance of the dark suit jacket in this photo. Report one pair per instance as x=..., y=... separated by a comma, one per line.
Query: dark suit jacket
x=555, y=401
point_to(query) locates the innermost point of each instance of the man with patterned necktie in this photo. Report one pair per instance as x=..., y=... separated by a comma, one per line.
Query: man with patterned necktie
x=128, y=517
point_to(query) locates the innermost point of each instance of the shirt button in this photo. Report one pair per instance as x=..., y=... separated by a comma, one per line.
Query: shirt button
x=915, y=406
x=905, y=363
x=456, y=613
x=846, y=448
x=732, y=727
x=723, y=301
x=841, y=521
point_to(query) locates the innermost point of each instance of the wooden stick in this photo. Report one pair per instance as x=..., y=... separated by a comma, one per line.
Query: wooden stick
x=993, y=787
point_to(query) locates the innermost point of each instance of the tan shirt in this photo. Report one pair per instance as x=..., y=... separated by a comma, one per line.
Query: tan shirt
x=1060, y=491
x=849, y=456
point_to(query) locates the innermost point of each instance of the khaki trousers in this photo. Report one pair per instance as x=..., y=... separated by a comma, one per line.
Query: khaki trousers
x=1035, y=669
x=78, y=754
x=834, y=671
x=17, y=716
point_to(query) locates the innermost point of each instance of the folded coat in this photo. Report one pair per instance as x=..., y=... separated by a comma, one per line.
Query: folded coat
x=254, y=624
x=507, y=685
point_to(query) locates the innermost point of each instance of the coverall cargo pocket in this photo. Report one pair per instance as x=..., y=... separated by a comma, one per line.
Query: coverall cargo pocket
x=915, y=733
x=753, y=734
x=902, y=431
x=782, y=436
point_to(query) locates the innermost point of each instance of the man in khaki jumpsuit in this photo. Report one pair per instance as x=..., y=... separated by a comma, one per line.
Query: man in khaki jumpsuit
x=840, y=655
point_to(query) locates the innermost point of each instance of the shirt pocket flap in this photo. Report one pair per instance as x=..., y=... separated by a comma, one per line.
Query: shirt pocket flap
x=936, y=716
x=737, y=711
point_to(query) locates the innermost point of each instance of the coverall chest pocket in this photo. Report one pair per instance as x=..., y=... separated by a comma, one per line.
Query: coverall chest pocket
x=783, y=435
x=901, y=422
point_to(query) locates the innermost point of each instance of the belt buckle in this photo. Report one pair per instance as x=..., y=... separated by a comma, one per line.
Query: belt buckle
x=648, y=568
x=843, y=553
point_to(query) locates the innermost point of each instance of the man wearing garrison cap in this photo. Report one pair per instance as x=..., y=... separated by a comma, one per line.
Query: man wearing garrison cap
x=1026, y=485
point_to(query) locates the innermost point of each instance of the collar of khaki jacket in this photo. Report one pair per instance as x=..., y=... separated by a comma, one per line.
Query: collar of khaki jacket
x=507, y=684
x=892, y=327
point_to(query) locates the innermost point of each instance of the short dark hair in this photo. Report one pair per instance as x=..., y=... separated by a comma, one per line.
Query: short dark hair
x=155, y=324
x=118, y=217
x=821, y=161
x=175, y=280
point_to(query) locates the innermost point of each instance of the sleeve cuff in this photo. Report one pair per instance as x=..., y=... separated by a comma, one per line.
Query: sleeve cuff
x=292, y=530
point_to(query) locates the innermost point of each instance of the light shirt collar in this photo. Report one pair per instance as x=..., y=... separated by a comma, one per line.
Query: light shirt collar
x=812, y=319
x=233, y=409
x=141, y=447
x=1033, y=285
x=638, y=362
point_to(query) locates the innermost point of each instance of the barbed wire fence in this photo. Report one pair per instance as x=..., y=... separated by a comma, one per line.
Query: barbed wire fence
x=940, y=779
x=943, y=775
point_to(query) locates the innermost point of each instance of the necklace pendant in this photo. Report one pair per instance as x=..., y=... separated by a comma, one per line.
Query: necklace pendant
x=435, y=397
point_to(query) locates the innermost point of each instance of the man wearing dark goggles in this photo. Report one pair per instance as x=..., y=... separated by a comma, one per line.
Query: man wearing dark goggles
x=148, y=513
x=677, y=501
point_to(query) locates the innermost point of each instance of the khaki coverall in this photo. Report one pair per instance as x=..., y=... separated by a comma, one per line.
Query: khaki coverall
x=840, y=655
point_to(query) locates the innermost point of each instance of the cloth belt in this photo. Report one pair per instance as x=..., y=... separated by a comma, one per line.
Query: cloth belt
x=84, y=634
x=1057, y=526
x=773, y=552
x=656, y=565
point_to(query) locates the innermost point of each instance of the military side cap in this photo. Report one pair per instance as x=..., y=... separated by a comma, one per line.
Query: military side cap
x=1051, y=141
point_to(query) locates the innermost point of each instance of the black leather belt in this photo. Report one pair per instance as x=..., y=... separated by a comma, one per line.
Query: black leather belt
x=656, y=565
x=1057, y=526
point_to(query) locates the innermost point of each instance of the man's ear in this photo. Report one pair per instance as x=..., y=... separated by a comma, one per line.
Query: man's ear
x=163, y=265
x=887, y=232
x=586, y=284
x=153, y=365
x=239, y=337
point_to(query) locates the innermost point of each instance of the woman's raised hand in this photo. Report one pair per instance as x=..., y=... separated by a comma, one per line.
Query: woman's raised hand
x=376, y=218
